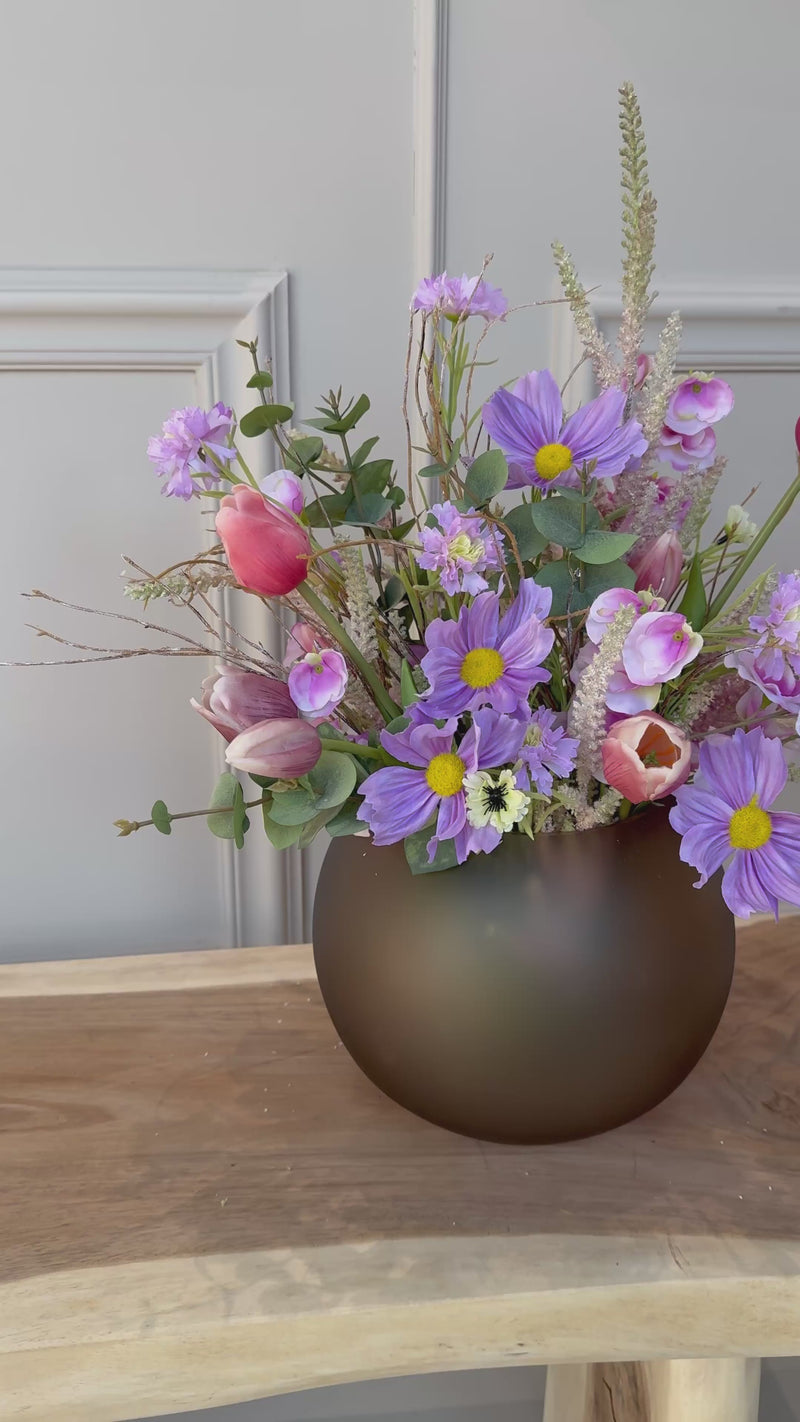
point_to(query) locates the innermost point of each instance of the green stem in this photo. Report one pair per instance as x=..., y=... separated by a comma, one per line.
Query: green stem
x=351, y=748
x=383, y=700
x=764, y=534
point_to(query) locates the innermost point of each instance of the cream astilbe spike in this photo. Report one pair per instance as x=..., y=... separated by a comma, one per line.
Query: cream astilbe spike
x=638, y=231
x=592, y=339
x=359, y=602
x=587, y=718
x=705, y=482
x=661, y=381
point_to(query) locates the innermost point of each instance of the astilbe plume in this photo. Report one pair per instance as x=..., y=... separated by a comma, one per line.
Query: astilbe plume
x=700, y=486
x=360, y=604
x=638, y=231
x=592, y=339
x=587, y=719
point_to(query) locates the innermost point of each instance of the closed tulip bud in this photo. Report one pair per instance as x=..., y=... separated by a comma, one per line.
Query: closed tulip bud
x=233, y=700
x=645, y=757
x=659, y=565
x=267, y=549
x=280, y=749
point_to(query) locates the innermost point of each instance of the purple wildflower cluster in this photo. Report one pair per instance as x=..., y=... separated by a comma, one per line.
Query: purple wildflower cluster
x=461, y=548
x=460, y=296
x=771, y=663
x=190, y=440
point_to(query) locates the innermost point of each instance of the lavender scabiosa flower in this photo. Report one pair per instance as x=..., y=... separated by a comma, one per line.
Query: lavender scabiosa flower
x=772, y=663
x=461, y=548
x=399, y=800
x=459, y=296
x=179, y=452
x=546, y=449
x=725, y=816
x=547, y=751
x=485, y=659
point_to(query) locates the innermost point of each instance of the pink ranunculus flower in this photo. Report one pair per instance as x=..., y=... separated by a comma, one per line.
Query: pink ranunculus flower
x=318, y=683
x=659, y=564
x=699, y=400
x=233, y=700
x=285, y=488
x=280, y=749
x=645, y=757
x=268, y=550
x=658, y=647
x=688, y=451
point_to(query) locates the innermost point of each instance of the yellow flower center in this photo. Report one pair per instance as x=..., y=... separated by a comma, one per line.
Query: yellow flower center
x=445, y=774
x=697, y=387
x=750, y=827
x=481, y=667
x=552, y=460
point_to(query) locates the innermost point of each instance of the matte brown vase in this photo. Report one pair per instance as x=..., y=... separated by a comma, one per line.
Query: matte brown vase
x=547, y=991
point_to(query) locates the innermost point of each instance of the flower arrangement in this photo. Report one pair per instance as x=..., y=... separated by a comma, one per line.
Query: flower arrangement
x=533, y=633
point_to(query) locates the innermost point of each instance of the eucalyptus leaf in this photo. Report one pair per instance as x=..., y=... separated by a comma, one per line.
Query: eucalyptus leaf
x=368, y=510
x=357, y=410
x=161, y=817
x=694, y=604
x=598, y=578
x=333, y=778
x=304, y=451
x=486, y=476
x=346, y=820
x=530, y=541
x=264, y=417
x=408, y=691
x=293, y=807
x=226, y=795
x=363, y=452
x=393, y=592
x=262, y=380
x=558, y=577
x=600, y=546
x=281, y=836
x=373, y=477
x=559, y=520
x=310, y=830
x=330, y=508
x=416, y=848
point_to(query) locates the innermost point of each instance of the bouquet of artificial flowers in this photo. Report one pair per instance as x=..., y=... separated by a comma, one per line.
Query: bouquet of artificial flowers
x=530, y=634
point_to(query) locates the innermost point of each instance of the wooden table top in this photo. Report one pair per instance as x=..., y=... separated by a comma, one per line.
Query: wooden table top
x=202, y=1200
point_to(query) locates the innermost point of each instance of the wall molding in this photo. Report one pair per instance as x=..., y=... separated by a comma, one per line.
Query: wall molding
x=430, y=30
x=137, y=319
x=743, y=327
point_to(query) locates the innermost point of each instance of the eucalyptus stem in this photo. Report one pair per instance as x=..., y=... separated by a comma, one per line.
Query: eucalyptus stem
x=762, y=537
x=383, y=700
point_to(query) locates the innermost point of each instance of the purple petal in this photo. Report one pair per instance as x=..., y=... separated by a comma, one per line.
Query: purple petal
x=540, y=392
x=396, y=802
x=769, y=766
x=531, y=601
x=593, y=424
x=705, y=849
x=746, y=885
x=499, y=738
x=452, y=816
x=514, y=426
x=727, y=765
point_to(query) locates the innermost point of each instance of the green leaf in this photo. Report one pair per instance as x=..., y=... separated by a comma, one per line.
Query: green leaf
x=372, y=478
x=600, y=577
x=416, y=847
x=293, y=807
x=558, y=577
x=368, y=511
x=694, y=604
x=333, y=778
x=262, y=781
x=360, y=455
x=241, y=824
x=393, y=592
x=346, y=820
x=303, y=451
x=262, y=380
x=559, y=520
x=354, y=414
x=600, y=546
x=529, y=540
x=331, y=508
x=227, y=795
x=281, y=836
x=398, y=724
x=264, y=417
x=408, y=691
x=313, y=827
x=402, y=529
x=487, y=475
x=161, y=817
x=432, y=471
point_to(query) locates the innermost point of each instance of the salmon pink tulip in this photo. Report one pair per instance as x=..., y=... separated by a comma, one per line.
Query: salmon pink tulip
x=659, y=565
x=233, y=700
x=645, y=757
x=267, y=549
x=281, y=749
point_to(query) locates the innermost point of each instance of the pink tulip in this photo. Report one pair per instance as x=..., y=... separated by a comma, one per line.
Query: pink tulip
x=266, y=548
x=233, y=700
x=645, y=757
x=281, y=749
x=659, y=565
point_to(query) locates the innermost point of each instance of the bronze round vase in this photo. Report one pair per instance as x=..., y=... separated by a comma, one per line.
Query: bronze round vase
x=547, y=991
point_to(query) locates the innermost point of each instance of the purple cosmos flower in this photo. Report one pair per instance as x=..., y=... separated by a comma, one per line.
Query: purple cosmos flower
x=699, y=400
x=179, y=451
x=455, y=296
x=547, y=751
x=726, y=812
x=317, y=683
x=284, y=488
x=401, y=799
x=688, y=451
x=460, y=547
x=483, y=658
x=658, y=647
x=545, y=449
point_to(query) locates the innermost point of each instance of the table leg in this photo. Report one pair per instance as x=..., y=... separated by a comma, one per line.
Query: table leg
x=665, y=1390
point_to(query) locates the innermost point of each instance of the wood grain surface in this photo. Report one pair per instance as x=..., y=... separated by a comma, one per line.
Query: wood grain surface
x=204, y=1201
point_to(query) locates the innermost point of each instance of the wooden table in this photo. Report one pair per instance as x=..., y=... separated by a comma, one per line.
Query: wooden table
x=203, y=1201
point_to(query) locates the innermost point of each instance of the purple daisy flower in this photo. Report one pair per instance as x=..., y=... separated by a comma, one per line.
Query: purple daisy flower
x=483, y=658
x=179, y=451
x=457, y=296
x=544, y=448
x=398, y=800
x=460, y=547
x=726, y=812
x=547, y=750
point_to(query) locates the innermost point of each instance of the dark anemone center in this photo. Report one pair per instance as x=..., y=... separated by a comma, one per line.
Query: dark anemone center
x=495, y=797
